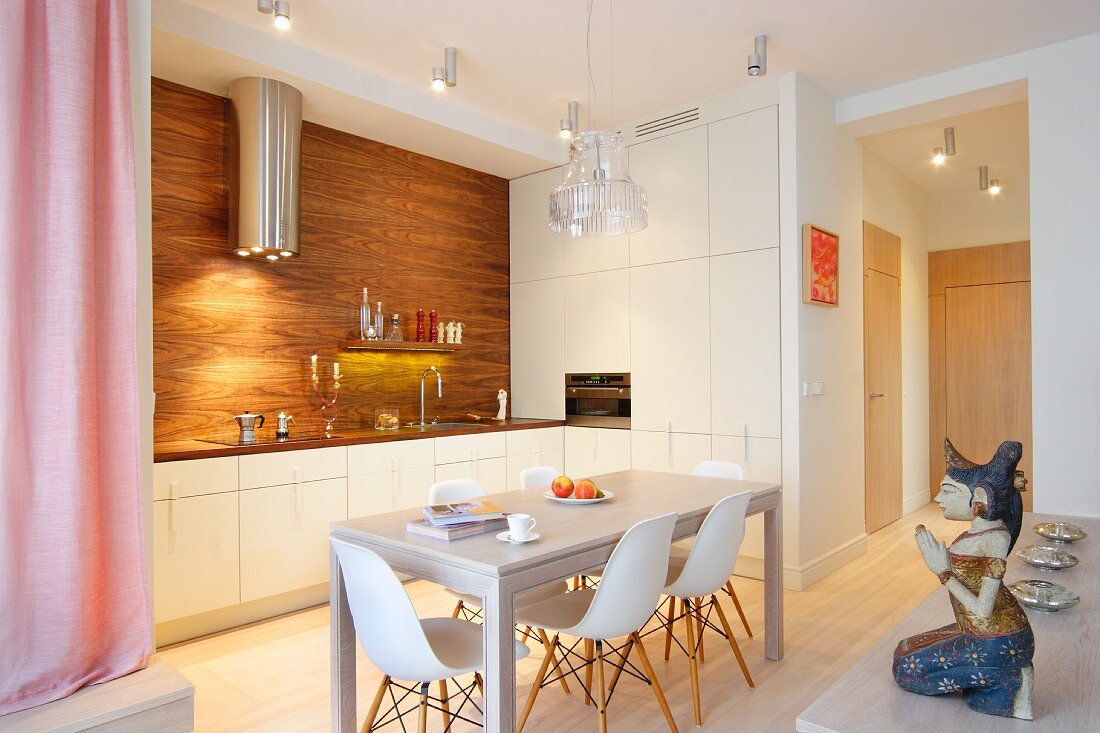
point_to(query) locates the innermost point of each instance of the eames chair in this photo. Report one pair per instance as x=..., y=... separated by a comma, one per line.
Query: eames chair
x=404, y=647
x=728, y=470
x=697, y=576
x=530, y=478
x=631, y=586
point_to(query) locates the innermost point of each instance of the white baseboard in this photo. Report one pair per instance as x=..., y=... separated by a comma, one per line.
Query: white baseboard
x=913, y=503
x=801, y=578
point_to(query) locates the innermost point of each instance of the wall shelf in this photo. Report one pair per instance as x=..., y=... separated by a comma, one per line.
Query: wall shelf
x=399, y=346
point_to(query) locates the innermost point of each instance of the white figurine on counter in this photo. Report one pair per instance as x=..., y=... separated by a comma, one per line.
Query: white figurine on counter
x=450, y=332
x=502, y=398
x=440, y=333
x=458, y=332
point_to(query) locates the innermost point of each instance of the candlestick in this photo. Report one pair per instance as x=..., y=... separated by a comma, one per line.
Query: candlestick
x=326, y=404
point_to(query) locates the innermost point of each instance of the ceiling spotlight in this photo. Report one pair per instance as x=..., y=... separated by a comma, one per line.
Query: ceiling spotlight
x=995, y=186
x=265, y=6
x=940, y=155
x=282, y=14
x=446, y=75
x=758, y=59
x=571, y=125
x=985, y=184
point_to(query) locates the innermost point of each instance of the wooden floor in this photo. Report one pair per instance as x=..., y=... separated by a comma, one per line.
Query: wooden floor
x=274, y=676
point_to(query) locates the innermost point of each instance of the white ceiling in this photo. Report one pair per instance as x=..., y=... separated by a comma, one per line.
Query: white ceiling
x=997, y=137
x=521, y=61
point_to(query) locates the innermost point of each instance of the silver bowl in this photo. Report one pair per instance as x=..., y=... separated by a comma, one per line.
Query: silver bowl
x=1042, y=595
x=1060, y=531
x=1047, y=558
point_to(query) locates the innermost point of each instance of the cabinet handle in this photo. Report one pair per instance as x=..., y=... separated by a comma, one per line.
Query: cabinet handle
x=172, y=489
x=298, y=499
x=668, y=449
x=477, y=465
x=171, y=516
x=745, y=439
x=395, y=476
x=596, y=446
x=538, y=453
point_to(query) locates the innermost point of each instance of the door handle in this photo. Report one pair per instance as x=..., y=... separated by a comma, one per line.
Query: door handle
x=875, y=394
x=299, y=503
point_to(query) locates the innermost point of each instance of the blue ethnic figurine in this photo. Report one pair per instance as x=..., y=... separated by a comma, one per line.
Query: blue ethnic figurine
x=986, y=654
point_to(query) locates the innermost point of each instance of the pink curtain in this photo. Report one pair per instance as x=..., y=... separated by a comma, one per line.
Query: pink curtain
x=74, y=607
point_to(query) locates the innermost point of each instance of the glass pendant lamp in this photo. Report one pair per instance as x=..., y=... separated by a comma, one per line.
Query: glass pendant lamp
x=598, y=197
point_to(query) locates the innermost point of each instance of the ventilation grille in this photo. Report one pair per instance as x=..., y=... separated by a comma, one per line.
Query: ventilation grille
x=667, y=122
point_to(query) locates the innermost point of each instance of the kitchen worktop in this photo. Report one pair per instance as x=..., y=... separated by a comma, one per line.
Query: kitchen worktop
x=181, y=450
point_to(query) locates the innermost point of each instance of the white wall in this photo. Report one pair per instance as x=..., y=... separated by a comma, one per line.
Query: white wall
x=830, y=343
x=1065, y=304
x=896, y=204
x=974, y=218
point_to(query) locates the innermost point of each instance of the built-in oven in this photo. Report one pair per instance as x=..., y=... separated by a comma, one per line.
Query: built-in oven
x=598, y=400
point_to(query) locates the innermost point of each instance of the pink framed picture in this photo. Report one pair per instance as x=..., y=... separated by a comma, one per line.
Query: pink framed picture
x=820, y=266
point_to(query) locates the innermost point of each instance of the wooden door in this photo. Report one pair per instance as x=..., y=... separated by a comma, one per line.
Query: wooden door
x=882, y=377
x=988, y=369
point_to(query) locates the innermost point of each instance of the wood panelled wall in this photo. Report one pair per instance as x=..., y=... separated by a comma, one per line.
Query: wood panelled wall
x=231, y=334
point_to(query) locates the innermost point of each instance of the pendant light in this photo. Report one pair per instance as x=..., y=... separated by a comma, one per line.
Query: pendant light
x=598, y=197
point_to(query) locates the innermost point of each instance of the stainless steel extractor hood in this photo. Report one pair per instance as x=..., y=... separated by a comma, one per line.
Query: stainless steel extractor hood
x=264, y=160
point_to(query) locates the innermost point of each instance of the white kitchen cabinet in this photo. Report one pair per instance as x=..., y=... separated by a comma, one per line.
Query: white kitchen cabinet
x=385, y=477
x=595, y=254
x=472, y=447
x=745, y=354
x=744, y=182
x=535, y=252
x=592, y=451
x=670, y=347
x=673, y=171
x=195, y=555
x=177, y=479
x=597, y=323
x=538, y=348
x=668, y=452
x=284, y=534
x=531, y=448
x=491, y=473
x=762, y=460
x=553, y=458
x=293, y=466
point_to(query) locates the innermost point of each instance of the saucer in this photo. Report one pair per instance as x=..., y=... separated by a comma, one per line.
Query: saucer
x=506, y=536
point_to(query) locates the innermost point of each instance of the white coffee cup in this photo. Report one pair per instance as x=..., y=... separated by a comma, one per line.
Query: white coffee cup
x=520, y=526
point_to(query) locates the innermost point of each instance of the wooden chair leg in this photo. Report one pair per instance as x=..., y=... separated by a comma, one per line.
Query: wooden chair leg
x=588, y=647
x=444, y=707
x=535, y=689
x=480, y=683
x=458, y=609
x=657, y=692
x=733, y=643
x=423, y=719
x=373, y=712
x=668, y=626
x=693, y=663
x=737, y=605
x=700, y=627
x=526, y=635
x=601, y=701
x=549, y=648
x=619, y=670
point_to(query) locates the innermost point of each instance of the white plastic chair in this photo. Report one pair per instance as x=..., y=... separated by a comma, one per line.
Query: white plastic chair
x=458, y=489
x=405, y=647
x=537, y=477
x=726, y=470
x=631, y=586
x=700, y=574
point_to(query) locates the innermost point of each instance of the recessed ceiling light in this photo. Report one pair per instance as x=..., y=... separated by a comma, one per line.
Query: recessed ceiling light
x=243, y=252
x=272, y=257
x=257, y=250
x=286, y=253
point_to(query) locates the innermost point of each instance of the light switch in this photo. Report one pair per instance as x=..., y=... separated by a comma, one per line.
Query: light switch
x=813, y=389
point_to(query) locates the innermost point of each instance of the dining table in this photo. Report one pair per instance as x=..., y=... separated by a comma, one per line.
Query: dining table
x=573, y=540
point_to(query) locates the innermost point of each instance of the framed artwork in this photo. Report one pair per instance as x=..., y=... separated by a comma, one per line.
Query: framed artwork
x=820, y=266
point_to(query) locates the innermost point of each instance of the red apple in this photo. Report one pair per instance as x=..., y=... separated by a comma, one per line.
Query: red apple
x=585, y=489
x=562, y=486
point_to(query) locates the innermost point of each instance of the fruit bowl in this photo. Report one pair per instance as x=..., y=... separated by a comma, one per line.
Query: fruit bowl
x=572, y=500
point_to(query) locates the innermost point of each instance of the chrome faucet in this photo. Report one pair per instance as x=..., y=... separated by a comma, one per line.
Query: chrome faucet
x=439, y=381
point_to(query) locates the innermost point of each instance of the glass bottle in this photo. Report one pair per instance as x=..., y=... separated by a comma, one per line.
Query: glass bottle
x=379, y=323
x=394, y=334
x=366, y=320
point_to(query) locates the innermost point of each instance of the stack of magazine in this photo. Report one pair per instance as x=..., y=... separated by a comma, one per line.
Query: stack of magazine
x=455, y=521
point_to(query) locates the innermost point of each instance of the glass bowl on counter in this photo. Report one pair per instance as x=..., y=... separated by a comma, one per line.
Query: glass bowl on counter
x=387, y=418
